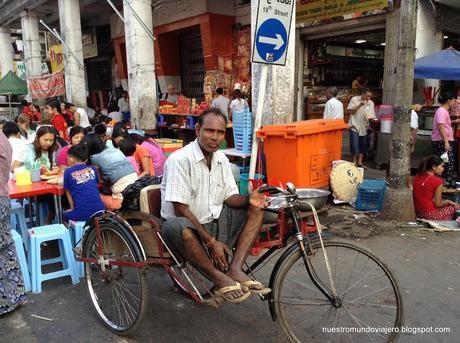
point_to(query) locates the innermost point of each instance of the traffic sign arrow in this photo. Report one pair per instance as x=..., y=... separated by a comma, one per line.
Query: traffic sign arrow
x=278, y=41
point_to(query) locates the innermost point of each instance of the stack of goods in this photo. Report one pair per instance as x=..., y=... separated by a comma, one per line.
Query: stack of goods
x=197, y=110
x=183, y=105
x=242, y=131
x=167, y=107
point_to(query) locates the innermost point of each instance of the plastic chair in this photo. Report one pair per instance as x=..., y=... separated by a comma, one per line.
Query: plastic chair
x=18, y=221
x=48, y=233
x=21, y=258
x=78, y=230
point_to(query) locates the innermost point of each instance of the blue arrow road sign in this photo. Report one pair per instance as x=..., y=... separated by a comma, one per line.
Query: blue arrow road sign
x=271, y=40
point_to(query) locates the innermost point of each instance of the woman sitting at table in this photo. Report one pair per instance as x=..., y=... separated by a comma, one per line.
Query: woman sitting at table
x=142, y=156
x=39, y=154
x=113, y=167
x=76, y=135
x=427, y=191
x=40, y=151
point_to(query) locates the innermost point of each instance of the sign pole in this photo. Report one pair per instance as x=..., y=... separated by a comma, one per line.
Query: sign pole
x=258, y=120
x=271, y=39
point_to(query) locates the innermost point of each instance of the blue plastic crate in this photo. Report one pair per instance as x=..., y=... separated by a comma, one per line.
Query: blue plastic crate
x=370, y=195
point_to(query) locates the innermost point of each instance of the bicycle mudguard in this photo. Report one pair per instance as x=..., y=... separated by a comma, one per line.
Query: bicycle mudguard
x=112, y=218
x=275, y=270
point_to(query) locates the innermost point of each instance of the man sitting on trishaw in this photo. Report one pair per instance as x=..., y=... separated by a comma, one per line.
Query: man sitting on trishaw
x=205, y=214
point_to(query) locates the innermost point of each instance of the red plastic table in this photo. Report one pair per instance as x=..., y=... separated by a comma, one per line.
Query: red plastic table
x=36, y=189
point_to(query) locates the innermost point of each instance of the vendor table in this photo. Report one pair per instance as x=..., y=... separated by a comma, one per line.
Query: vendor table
x=234, y=152
x=36, y=189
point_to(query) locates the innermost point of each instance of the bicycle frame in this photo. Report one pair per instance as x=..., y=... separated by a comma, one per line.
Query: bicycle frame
x=303, y=242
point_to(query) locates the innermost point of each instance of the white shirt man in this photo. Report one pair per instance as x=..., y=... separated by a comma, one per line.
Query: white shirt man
x=221, y=102
x=81, y=116
x=359, y=122
x=123, y=105
x=334, y=107
x=188, y=180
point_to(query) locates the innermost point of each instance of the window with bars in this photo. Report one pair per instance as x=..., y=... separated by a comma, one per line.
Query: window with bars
x=192, y=65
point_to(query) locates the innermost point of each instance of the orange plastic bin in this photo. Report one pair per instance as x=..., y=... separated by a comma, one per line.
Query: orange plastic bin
x=302, y=152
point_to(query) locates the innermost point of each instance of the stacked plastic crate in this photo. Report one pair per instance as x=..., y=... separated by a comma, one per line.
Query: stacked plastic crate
x=242, y=131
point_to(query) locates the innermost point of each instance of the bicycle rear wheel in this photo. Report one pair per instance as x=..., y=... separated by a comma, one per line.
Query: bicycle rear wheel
x=118, y=294
x=370, y=308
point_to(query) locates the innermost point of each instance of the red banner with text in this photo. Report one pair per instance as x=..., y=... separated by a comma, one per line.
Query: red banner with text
x=47, y=86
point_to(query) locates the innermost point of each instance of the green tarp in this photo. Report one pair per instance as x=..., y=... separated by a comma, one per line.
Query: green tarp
x=13, y=84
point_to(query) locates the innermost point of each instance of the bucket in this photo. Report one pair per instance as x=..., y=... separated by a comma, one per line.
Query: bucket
x=384, y=110
x=22, y=176
x=386, y=123
x=244, y=179
x=35, y=175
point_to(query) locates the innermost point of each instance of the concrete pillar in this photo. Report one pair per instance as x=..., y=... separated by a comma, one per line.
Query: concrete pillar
x=280, y=92
x=69, y=18
x=141, y=64
x=31, y=39
x=6, y=52
x=428, y=41
x=300, y=101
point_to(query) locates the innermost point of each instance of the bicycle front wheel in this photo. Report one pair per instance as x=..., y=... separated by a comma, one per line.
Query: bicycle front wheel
x=369, y=307
x=118, y=294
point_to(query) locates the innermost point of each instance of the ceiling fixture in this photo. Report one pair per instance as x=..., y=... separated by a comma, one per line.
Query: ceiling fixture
x=359, y=41
x=445, y=37
x=383, y=44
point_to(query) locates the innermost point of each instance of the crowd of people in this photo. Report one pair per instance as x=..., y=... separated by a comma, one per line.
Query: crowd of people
x=64, y=137
x=199, y=193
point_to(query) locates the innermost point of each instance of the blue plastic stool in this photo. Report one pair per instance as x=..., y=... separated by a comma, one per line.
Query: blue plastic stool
x=78, y=230
x=18, y=221
x=48, y=233
x=21, y=258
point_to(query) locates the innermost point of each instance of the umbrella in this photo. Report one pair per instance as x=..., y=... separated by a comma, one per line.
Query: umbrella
x=11, y=84
x=441, y=65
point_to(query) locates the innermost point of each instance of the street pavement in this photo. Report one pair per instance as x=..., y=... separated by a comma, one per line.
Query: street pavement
x=427, y=265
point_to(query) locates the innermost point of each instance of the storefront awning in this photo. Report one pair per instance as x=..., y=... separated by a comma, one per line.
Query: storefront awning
x=13, y=84
x=442, y=65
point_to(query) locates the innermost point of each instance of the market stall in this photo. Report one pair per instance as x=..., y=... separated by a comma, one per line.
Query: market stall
x=10, y=85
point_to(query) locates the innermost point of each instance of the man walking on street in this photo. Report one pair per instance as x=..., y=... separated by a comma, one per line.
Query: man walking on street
x=361, y=110
x=221, y=102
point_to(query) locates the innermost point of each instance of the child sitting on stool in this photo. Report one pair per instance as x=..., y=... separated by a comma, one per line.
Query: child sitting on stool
x=81, y=185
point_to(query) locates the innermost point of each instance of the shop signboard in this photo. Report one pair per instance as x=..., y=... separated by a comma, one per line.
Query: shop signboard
x=309, y=11
x=56, y=58
x=21, y=70
x=272, y=31
x=47, y=86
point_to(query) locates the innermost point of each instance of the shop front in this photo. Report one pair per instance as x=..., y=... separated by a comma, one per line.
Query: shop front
x=342, y=43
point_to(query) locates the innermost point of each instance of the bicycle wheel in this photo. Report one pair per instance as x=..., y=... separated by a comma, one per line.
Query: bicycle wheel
x=370, y=308
x=118, y=294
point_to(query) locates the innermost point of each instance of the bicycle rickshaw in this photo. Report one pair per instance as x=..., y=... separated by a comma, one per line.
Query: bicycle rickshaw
x=316, y=283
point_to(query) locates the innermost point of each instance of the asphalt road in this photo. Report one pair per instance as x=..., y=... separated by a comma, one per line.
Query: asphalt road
x=427, y=265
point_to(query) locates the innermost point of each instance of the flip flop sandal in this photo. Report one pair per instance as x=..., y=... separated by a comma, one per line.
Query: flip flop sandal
x=261, y=290
x=222, y=292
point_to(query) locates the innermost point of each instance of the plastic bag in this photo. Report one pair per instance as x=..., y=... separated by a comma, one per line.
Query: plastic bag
x=445, y=157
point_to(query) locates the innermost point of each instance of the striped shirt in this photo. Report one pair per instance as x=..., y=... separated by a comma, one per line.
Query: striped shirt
x=188, y=180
